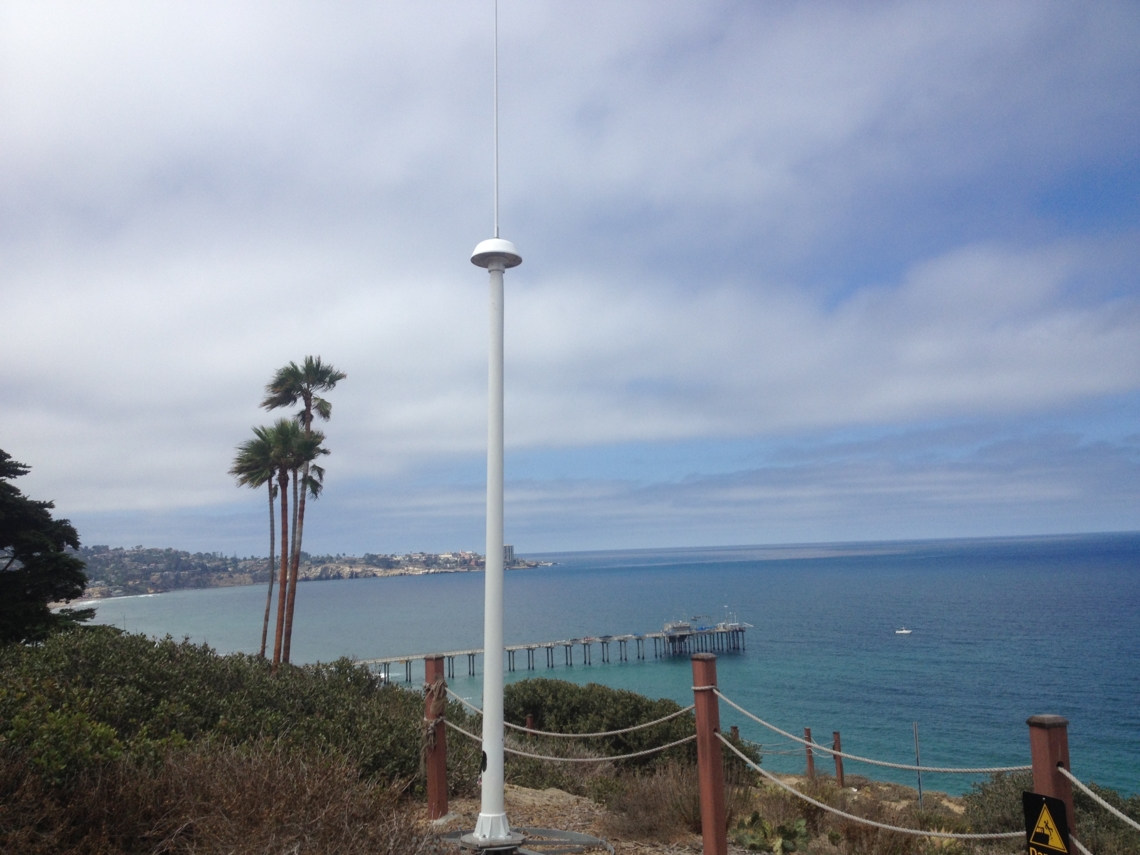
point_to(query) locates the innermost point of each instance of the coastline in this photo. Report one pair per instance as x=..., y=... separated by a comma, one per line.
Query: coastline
x=326, y=572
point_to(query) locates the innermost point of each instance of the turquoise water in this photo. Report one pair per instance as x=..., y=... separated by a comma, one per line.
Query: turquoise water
x=1002, y=629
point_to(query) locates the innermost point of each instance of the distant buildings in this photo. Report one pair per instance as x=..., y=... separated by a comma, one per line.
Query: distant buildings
x=119, y=572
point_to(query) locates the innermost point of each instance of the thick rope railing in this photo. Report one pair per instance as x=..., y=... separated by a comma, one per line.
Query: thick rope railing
x=522, y=729
x=466, y=703
x=606, y=759
x=815, y=746
x=897, y=828
x=635, y=727
x=644, y=753
x=1080, y=846
x=1118, y=814
x=436, y=692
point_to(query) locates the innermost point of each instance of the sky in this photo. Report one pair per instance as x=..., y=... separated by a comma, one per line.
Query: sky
x=793, y=272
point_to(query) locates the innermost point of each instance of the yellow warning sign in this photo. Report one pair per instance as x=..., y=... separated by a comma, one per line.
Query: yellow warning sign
x=1045, y=831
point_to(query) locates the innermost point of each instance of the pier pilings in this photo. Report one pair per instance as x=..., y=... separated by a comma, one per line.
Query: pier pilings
x=666, y=644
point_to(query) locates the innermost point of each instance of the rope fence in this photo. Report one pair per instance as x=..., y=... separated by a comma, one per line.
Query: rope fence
x=522, y=729
x=605, y=759
x=815, y=746
x=1118, y=814
x=850, y=816
x=466, y=703
x=1047, y=737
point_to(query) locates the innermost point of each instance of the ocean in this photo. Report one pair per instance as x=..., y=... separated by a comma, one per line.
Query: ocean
x=1001, y=629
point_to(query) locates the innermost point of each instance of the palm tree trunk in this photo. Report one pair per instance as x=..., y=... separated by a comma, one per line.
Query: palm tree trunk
x=269, y=595
x=298, y=530
x=293, y=561
x=283, y=480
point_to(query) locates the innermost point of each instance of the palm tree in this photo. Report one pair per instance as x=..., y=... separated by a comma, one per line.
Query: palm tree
x=294, y=384
x=254, y=466
x=307, y=449
x=287, y=437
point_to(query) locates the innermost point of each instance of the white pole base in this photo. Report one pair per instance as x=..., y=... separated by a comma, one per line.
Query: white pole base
x=492, y=826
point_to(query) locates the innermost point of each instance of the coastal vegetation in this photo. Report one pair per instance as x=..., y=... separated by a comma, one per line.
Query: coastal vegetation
x=111, y=742
x=37, y=563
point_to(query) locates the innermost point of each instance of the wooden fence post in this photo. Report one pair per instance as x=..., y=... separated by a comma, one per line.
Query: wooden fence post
x=810, y=758
x=435, y=736
x=1049, y=747
x=710, y=764
x=836, y=745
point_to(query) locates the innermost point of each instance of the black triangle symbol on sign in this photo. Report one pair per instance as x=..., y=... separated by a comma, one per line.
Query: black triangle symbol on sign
x=1045, y=832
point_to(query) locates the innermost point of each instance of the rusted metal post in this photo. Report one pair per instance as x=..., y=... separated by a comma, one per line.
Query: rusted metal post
x=810, y=758
x=710, y=764
x=530, y=724
x=435, y=736
x=1049, y=746
x=836, y=745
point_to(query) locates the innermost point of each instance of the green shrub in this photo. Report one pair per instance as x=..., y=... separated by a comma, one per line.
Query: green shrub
x=657, y=805
x=1099, y=830
x=88, y=696
x=209, y=799
x=581, y=779
x=665, y=802
x=995, y=805
x=56, y=743
x=121, y=743
x=562, y=707
x=758, y=835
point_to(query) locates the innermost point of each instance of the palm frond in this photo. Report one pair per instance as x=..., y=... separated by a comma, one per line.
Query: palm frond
x=293, y=383
x=316, y=480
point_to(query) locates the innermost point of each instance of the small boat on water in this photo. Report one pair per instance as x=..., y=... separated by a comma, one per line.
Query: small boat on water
x=903, y=631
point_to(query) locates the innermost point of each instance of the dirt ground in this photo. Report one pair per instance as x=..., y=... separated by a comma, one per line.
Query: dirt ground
x=557, y=809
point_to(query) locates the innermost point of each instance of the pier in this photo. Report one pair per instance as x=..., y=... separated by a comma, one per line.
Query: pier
x=724, y=637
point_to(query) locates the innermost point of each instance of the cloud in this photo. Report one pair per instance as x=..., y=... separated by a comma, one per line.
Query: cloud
x=738, y=221
x=979, y=479
x=983, y=331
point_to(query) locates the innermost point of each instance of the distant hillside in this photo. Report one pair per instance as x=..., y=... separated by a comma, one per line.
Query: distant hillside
x=114, y=572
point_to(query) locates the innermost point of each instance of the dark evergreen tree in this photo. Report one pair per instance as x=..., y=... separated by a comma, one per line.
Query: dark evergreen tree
x=35, y=567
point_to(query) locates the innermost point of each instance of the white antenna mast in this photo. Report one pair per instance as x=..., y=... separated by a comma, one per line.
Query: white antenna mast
x=492, y=831
x=496, y=118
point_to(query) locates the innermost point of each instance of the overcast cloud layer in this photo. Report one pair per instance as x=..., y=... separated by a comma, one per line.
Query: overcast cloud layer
x=792, y=272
